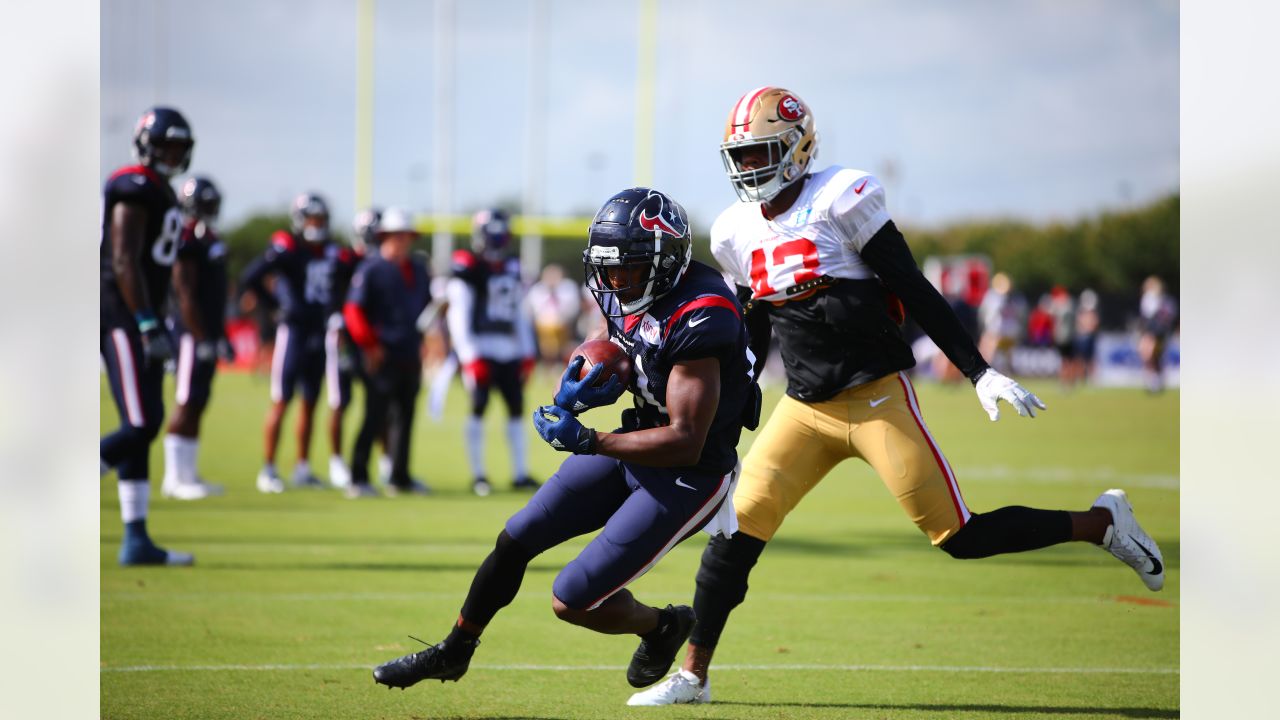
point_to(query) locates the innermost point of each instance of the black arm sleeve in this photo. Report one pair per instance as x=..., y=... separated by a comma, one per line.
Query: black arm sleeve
x=887, y=253
x=759, y=328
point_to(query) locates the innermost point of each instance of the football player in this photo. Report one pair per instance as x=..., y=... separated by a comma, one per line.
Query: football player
x=389, y=291
x=304, y=262
x=141, y=231
x=340, y=361
x=200, y=292
x=492, y=334
x=646, y=486
x=820, y=260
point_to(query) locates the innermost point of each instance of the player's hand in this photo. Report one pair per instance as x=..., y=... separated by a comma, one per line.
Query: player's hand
x=477, y=371
x=992, y=387
x=563, y=432
x=226, y=352
x=374, y=357
x=156, y=345
x=579, y=395
x=206, y=351
x=526, y=369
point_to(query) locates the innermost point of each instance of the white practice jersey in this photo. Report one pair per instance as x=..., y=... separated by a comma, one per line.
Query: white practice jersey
x=821, y=235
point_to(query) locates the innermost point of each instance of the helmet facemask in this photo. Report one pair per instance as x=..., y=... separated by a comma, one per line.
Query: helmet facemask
x=763, y=183
x=310, y=218
x=634, y=280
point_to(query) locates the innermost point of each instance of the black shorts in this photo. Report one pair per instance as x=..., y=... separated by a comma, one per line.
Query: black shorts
x=298, y=359
x=506, y=377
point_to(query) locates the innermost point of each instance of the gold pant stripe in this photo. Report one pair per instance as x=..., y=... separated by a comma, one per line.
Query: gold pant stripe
x=879, y=422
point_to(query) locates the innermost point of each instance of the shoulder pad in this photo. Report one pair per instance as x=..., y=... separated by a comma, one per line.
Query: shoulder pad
x=464, y=261
x=283, y=241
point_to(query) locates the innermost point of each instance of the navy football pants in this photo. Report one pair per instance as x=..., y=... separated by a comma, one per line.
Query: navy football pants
x=137, y=389
x=644, y=512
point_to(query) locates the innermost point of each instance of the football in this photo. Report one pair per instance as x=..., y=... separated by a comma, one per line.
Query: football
x=616, y=361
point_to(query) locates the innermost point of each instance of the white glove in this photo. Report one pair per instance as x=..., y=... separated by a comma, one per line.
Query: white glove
x=993, y=386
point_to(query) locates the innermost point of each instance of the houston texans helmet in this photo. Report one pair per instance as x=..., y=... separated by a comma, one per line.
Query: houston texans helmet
x=638, y=247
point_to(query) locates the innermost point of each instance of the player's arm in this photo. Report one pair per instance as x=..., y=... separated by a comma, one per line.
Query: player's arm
x=693, y=395
x=185, y=284
x=128, y=230
x=888, y=255
x=759, y=328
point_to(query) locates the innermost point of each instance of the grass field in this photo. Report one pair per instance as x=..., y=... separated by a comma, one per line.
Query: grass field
x=851, y=613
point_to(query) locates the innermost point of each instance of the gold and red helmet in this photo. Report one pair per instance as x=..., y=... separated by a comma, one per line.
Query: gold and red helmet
x=779, y=122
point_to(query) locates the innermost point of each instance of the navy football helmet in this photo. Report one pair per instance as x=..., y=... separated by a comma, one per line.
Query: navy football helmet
x=366, y=228
x=162, y=141
x=310, y=206
x=200, y=199
x=638, y=247
x=491, y=233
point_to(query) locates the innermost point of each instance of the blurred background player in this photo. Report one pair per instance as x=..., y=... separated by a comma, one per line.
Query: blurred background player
x=814, y=250
x=1159, y=312
x=141, y=230
x=555, y=301
x=303, y=262
x=492, y=335
x=390, y=289
x=198, y=318
x=341, y=362
x=1001, y=316
x=1085, y=340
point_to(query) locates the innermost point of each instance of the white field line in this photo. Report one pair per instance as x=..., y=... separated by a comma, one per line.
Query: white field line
x=807, y=597
x=619, y=668
x=1066, y=476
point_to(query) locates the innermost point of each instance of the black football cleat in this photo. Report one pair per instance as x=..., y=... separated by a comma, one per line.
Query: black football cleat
x=525, y=482
x=438, y=662
x=658, y=649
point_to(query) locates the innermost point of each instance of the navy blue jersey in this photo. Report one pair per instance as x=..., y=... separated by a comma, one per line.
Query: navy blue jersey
x=498, y=291
x=347, y=261
x=202, y=247
x=392, y=297
x=141, y=186
x=699, y=318
x=305, y=273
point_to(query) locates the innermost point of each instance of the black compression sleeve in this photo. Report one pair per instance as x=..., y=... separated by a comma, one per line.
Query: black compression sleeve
x=759, y=328
x=887, y=253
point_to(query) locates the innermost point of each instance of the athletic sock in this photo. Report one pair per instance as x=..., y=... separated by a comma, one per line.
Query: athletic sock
x=459, y=638
x=302, y=467
x=518, y=442
x=172, y=460
x=190, y=448
x=475, y=446
x=135, y=496
x=665, y=618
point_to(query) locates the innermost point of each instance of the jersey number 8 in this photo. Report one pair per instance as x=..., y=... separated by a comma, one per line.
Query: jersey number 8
x=165, y=249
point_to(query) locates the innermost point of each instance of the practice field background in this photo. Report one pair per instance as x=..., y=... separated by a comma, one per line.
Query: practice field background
x=851, y=614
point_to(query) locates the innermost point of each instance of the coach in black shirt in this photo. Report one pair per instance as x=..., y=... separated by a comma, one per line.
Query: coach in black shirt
x=389, y=290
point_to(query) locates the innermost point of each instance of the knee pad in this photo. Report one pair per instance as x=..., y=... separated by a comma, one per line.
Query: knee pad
x=726, y=564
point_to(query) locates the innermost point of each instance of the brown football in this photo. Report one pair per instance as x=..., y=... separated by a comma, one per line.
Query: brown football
x=614, y=358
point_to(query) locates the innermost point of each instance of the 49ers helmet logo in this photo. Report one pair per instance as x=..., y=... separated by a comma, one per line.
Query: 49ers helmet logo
x=790, y=108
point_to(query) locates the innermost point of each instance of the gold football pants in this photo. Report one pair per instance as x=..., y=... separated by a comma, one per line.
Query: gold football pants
x=879, y=422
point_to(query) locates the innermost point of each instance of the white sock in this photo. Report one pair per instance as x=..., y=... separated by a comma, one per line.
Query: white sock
x=190, y=447
x=135, y=496
x=303, y=467
x=475, y=445
x=519, y=447
x=172, y=459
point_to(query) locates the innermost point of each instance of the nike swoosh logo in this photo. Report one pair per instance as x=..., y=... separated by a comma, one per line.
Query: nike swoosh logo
x=683, y=484
x=858, y=190
x=876, y=403
x=699, y=321
x=1156, y=567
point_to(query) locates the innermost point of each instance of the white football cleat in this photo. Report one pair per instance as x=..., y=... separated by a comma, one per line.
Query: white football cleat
x=681, y=688
x=1129, y=542
x=269, y=481
x=197, y=490
x=339, y=473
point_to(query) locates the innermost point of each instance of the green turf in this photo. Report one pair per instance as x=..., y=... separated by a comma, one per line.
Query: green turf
x=851, y=613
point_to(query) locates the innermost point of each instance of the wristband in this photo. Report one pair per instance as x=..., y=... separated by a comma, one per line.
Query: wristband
x=146, y=321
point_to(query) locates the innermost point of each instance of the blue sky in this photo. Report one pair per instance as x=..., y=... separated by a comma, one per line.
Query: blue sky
x=1025, y=108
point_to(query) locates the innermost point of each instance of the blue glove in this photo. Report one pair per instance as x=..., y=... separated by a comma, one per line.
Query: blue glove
x=563, y=432
x=578, y=395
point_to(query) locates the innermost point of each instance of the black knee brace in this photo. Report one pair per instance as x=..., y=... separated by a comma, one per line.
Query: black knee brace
x=722, y=584
x=497, y=581
x=1008, y=530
